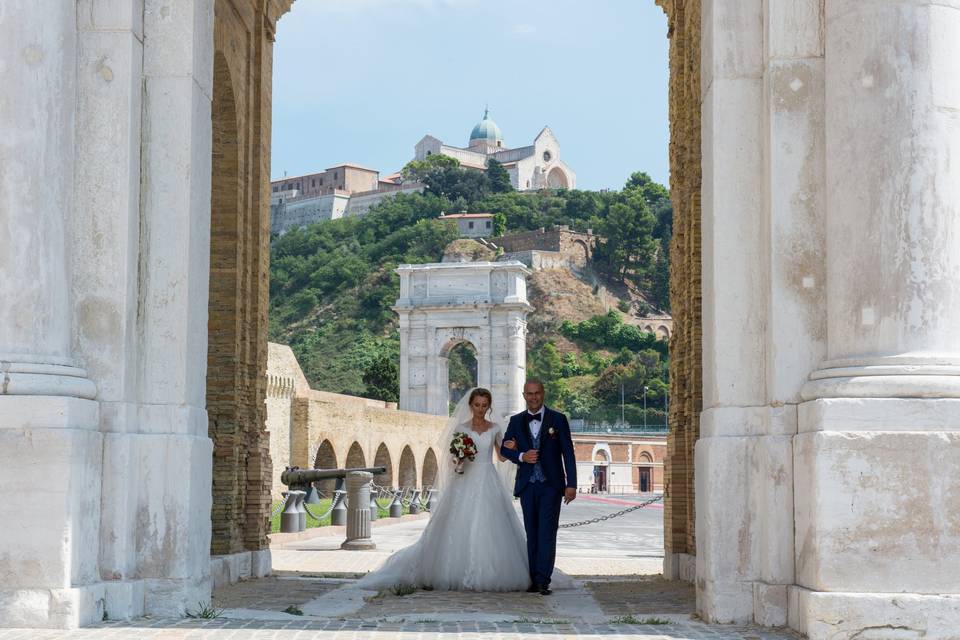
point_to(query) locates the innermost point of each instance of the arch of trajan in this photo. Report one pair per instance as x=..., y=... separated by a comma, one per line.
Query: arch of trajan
x=814, y=449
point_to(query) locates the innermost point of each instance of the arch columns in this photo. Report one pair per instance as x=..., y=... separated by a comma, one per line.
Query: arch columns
x=878, y=450
x=49, y=421
x=484, y=303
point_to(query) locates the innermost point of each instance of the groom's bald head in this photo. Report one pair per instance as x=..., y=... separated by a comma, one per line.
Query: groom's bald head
x=533, y=393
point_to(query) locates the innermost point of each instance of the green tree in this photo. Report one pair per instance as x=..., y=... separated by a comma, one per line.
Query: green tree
x=421, y=170
x=498, y=177
x=382, y=378
x=499, y=224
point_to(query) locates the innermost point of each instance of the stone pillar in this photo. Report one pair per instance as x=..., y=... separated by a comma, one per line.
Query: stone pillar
x=49, y=575
x=878, y=450
x=358, y=514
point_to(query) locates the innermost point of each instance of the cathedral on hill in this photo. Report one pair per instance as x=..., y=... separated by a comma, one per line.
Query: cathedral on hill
x=535, y=166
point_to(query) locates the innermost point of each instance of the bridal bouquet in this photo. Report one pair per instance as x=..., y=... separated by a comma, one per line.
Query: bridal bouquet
x=463, y=448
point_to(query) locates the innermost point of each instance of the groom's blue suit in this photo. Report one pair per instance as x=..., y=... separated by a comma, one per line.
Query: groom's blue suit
x=541, y=490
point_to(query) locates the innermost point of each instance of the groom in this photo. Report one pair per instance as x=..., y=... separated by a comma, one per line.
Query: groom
x=539, y=441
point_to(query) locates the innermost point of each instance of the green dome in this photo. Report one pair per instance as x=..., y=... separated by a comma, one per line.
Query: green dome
x=486, y=129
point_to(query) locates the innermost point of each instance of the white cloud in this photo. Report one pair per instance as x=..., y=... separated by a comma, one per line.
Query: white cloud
x=374, y=5
x=524, y=29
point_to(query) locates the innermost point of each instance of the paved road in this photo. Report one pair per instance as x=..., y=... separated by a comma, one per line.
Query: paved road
x=630, y=544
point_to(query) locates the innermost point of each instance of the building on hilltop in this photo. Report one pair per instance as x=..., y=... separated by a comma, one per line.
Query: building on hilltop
x=471, y=225
x=536, y=166
x=342, y=190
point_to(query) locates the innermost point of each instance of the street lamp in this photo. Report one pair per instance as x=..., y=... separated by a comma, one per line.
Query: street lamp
x=645, y=408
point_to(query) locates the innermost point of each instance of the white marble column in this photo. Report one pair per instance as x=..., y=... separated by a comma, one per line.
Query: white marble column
x=358, y=516
x=878, y=450
x=48, y=420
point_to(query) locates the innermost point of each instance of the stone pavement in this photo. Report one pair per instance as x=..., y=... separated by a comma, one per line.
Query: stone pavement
x=614, y=592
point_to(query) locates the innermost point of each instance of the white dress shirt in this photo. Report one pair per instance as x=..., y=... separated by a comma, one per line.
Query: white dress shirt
x=535, y=424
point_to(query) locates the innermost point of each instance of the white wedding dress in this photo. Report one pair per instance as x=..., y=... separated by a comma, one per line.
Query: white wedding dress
x=474, y=540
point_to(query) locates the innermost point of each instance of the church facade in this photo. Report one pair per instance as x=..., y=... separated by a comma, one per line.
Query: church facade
x=535, y=166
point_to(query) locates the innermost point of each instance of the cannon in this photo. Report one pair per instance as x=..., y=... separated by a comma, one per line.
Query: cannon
x=300, y=479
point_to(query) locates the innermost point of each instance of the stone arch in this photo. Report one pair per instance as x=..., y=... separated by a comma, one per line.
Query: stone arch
x=557, y=179
x=326, y=458
x=648, y=328
x=355, y=457
x=645, y=456
x=601, y=454
x=407, y=476
x=441, y=305
x=228, y=415
x=429, y=470
x=663, y=332
x=464, y=352
x=580, y=253
x=382, y=459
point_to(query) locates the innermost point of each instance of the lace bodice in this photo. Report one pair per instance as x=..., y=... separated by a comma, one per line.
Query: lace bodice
x=485, y=442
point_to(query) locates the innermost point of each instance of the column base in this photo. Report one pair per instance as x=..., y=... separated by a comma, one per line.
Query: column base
x=360, y=544
x=69, y=608
x=680, y=566
x=844, y=616
x=232, y=568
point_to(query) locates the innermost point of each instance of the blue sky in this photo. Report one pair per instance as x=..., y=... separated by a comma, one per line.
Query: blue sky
x=363, y=80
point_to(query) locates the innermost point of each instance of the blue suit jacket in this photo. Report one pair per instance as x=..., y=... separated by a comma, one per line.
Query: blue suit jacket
x=556, y=450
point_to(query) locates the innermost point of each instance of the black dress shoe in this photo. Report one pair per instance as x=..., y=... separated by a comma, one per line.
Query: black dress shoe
x=545, y=590
x=533, y=588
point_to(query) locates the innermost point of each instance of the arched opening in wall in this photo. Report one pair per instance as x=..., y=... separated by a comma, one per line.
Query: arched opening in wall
x=580, y=254
x=461, y=370
x=326, y=458
x=663, y=332
x=382, y=459
x=557, y=179
x=355, y=457
x=429, y=474
x=601, y=464
x=227, y=420
x=407, y=478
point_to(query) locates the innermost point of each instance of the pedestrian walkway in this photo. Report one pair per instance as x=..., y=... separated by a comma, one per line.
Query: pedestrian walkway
x=615, y=591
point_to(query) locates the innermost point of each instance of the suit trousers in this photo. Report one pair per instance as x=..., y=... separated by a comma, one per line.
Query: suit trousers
x=541, y=519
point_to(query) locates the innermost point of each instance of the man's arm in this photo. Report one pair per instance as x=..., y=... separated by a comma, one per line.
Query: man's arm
x=566, y=450
x=513, y=455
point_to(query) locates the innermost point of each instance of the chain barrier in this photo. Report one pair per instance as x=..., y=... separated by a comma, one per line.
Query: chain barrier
x=333, y=503
x=616, y=514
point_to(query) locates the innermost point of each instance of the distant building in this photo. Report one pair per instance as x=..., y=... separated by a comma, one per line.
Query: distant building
x=536, y=166
x=340, y=191
x=472, y=225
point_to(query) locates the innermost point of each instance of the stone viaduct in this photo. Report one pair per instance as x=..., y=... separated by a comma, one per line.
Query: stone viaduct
x=815, y=278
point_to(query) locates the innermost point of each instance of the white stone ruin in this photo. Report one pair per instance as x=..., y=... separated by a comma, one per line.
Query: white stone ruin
x=443, y=305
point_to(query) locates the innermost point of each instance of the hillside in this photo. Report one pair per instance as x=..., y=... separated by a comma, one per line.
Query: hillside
x=333, y=283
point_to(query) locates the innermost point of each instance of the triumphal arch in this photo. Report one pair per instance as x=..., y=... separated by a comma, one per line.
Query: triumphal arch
x=443, y=305
x=815, y=279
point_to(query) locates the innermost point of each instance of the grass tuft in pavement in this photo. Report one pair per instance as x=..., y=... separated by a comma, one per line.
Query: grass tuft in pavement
x=205, y=611
x=634, y=620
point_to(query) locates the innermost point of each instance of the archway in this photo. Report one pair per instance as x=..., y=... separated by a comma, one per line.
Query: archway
x=461, y=361
x=407, y=477
x=355, y=457
x=557, y=179
x=442, y=305
x=326, y=458
x=429, y=473
x=382, y=459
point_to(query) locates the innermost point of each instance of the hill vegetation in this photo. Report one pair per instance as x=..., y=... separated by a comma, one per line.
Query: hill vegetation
x=333, y=284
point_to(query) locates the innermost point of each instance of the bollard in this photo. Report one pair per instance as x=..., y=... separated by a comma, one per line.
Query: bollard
x=415, y=502
x=396, y=507
x=374, y=509
x=301, y=512
x=313, y=496
x=358, y=515
x=431, y=499
x=338, y=515
x=290, y=518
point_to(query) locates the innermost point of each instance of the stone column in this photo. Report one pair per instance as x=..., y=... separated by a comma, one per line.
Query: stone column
x=358, y=514
x=878, y=450
x=48, y=574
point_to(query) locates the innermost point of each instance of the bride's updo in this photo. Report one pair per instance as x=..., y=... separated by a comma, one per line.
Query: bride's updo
x=482, y=393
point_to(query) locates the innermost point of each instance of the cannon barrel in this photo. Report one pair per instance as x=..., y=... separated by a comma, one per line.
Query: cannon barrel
x=297, y=477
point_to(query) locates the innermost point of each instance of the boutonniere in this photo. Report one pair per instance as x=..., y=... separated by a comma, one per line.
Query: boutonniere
x=552, y=432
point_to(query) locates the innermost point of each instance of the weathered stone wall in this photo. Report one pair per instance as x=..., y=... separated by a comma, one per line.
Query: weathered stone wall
x=683, y=18
x=575, y=246
x=239, y=272
x=311, y=428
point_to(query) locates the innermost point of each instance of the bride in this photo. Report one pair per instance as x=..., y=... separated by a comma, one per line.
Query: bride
x=474, y=540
